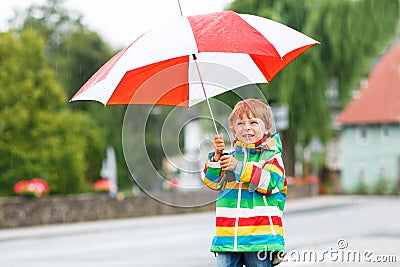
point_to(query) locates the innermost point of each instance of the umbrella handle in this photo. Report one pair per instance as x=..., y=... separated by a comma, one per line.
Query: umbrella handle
x=205, y=94
x=230, y=175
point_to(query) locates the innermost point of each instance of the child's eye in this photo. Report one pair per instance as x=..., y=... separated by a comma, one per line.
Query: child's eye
x=254, y=122
x=240, y=123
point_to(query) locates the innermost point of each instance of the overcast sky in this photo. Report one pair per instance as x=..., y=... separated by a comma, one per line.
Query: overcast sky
x=119, y=21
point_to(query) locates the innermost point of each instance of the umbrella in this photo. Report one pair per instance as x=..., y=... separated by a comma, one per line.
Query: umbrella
x=180, y=53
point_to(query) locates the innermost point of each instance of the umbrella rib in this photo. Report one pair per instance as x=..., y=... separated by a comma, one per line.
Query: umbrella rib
x=205, y=93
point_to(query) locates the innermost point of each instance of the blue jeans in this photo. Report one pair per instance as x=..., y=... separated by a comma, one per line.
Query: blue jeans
x=248, y=259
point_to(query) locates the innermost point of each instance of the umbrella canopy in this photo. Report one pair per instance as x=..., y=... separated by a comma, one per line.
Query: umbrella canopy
x=182, y=54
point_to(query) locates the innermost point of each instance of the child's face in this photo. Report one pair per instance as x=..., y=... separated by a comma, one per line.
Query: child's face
x=249, y=130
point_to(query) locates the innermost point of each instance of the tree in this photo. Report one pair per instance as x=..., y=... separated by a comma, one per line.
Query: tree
x=39, y=135
x=79, y=56
x=352, y=35
x=75, y=52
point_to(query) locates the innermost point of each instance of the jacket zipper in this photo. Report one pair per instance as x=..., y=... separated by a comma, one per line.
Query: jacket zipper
x=271, y=224
x=235, y=243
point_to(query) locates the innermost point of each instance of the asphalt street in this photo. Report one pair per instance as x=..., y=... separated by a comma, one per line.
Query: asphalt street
x=319, y=231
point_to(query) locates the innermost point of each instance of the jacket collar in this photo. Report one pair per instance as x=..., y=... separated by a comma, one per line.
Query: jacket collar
x=266, y=143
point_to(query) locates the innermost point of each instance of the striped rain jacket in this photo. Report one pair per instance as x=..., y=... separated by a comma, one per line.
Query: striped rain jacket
x=249, y=208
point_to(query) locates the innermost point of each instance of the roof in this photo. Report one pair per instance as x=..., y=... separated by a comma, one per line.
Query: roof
x=379, y=98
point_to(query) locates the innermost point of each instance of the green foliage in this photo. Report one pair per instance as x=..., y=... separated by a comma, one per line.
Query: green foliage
x=395, y=189
x=110, y=119
x=362, y=187
x=39, y=135
x=75, y=52
x=51, y=20
x=79, y=56
x=381, y=186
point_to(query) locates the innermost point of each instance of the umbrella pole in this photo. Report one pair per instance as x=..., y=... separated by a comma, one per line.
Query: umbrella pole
x=205, y=94
x=180, y=9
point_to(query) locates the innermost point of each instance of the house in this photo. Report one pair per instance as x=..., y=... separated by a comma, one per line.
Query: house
x=370, y=129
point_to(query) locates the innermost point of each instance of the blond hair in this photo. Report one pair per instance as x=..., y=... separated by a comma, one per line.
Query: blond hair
x=252, y=108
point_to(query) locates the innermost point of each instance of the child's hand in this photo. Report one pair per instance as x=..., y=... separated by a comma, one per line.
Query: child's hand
x=228, y=163
x=219, y=146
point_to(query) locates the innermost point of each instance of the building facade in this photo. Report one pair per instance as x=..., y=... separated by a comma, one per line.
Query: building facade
x=370, y=154
x=370, y=129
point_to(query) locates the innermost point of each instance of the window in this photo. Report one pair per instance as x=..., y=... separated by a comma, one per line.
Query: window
x=385, y=132
x=362, y=134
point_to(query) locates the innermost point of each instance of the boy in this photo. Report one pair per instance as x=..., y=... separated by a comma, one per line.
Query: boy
x=252, y=186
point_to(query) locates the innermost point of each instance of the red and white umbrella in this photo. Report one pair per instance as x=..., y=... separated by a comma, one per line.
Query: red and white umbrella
x=179, y=54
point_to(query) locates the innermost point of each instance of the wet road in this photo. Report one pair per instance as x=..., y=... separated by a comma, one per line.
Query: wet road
x=363, y=225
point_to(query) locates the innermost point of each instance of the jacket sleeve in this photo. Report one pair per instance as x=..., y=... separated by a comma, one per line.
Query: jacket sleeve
x=212, y=174
x=269, y=178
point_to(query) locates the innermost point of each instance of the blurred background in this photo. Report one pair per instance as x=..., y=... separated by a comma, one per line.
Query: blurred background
x=331, y=105
x=337, y=108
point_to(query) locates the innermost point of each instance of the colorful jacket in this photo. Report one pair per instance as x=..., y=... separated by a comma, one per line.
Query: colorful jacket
x=249, y=209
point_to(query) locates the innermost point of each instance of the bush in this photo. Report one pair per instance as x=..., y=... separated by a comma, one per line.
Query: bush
x=361, y=188
x=40, y=135
x=381, y=187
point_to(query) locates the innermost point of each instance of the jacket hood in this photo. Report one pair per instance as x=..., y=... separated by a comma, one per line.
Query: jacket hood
x=266, y=143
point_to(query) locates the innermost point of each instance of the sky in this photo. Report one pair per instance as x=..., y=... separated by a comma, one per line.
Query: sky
x=120, y=21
